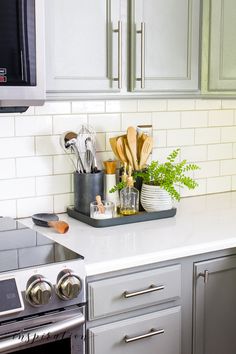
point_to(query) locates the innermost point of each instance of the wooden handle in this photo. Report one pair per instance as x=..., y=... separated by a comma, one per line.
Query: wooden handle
x=60, y=226
x=101, y=207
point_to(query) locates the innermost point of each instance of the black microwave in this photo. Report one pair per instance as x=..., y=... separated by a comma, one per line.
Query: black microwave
x=22, y=61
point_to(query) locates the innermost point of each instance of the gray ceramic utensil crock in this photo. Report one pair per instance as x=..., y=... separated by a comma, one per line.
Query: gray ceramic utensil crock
x=86, y=187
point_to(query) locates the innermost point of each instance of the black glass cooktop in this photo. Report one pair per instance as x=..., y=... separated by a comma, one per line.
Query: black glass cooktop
x=22, y=247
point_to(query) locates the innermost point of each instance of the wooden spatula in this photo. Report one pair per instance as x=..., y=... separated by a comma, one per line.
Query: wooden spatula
x=113, y=146
x=132, y=142
x=120, y=147
x=128, y=153
x=145, y=151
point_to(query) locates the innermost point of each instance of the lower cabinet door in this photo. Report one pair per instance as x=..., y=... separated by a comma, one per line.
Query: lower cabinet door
x=155, y=333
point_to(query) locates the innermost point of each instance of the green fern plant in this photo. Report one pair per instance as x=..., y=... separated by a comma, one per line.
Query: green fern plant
x=169, y=175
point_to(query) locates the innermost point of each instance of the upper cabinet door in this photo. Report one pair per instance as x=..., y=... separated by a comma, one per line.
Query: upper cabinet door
x=82, y=51
x=164, y=45
x=219, y=49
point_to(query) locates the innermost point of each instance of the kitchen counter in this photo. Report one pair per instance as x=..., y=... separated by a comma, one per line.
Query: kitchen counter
x=202, y=224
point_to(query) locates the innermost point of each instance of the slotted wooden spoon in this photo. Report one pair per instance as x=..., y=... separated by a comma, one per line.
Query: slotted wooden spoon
x=113, y=146
x=145, y=151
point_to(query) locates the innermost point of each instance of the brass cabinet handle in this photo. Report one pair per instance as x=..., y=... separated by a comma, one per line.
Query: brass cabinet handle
x=142, y=33
x=119, y=32
x=151, y=289
x=152, y=333
x=205, y=275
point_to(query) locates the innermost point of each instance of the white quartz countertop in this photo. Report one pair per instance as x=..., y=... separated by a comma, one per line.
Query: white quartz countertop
x=202, y=224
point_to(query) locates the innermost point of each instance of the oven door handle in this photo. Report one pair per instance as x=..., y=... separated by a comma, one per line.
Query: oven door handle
x=42, y=333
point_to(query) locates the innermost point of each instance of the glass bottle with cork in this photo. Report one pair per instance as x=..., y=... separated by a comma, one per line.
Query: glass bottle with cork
x=129, y=195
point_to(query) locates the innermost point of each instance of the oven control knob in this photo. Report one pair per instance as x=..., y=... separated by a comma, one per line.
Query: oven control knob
x=38, y=291
x=68, y=285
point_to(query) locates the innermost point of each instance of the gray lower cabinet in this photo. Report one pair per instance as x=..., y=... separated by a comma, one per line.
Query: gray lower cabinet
x=155, y=333
x=219, y=49
x=164, y=45
x=214, y=311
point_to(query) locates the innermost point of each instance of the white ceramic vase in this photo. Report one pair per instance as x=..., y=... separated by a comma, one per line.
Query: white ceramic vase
x=154, y=198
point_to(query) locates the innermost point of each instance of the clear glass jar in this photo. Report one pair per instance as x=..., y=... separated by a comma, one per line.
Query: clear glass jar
x=108, y=212
x=129, y=201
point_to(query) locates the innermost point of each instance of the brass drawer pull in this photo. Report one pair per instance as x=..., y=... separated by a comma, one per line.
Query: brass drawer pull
x=151, y=289
x=152, y=333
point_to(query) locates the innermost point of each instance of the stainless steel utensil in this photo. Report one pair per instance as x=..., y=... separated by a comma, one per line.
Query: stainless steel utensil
x=68, y=140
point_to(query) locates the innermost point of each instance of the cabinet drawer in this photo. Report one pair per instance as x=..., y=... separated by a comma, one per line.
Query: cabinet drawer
x=127, y=292
x=155, y=333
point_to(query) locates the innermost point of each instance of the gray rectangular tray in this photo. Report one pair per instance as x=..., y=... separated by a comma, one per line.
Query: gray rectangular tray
x=121, y=220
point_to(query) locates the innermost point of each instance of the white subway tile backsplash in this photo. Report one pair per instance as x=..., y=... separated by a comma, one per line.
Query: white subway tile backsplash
x=8, y=208
x=218, y=184
x=228, y=134
x=30, y=206
x=152, y=105
x=180, y=137
x=33, y=166
x=234, y=182
x=199, y=190
x=166, y=120
x=62, y=201
x=36, y=174
x=63, y=164
x=59, y=107
x=48, y=145
x=159, y=138
x=6, y=126
x=207, y=135
x=220, y=151
x=180, y=105
x=228, y=104
x=100, y=142
x=207, y=169
x=208, y=104
x=88, y=107
x=228, y=167
x=7, y=168
x=161, y=154
x=221, y=118
x=57, y=184
x=33, y=125
x=194, y=153
x=116, y=106
x=194, y=119
x=64, y=123
x=134, y=119
x=15, y=147
x=104, y=122
x=17, y=188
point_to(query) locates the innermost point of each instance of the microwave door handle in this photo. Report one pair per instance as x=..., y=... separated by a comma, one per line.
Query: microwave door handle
x=22, y=65
x=36, y=335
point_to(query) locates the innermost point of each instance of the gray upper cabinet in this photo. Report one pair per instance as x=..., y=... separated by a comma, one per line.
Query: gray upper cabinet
x=164, y=45
x=82, y=45
x=117, y=46
x=215, y=306
x=219, y=49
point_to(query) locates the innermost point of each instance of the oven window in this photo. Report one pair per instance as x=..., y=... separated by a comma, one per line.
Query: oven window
x=58, y=347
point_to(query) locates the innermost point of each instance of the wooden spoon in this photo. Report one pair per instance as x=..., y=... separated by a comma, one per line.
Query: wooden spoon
x=113, y=146
x=128, y=153
x=132, y=142
x=101, y=207
x=120, y=147
x=145, y=151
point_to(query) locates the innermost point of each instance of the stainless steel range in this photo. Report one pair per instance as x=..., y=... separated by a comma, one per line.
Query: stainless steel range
x=42, y=293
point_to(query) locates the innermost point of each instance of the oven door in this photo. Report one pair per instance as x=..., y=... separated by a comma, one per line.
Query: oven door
x=61, y=332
